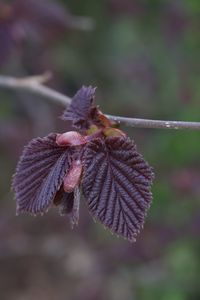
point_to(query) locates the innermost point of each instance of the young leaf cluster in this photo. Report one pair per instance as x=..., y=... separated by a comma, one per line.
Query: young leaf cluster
x=98, y=160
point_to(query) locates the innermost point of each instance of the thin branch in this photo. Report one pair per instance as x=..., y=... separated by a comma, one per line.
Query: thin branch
x=147, y=123
x=35, y=85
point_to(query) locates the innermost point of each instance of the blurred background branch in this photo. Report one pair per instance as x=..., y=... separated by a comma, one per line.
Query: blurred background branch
x=34, y=84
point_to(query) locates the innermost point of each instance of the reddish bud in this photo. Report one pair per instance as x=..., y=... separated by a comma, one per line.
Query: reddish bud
x=70, y=138
x=72, y=179
x=103, y=119
x=92, y=130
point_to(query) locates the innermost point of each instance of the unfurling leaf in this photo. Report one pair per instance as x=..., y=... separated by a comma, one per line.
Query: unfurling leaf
x=70, y=206
x=70, y=138
x=83, y=113
x=116, y=185
x=39, y=174
x=72, y=178
x=80, y=108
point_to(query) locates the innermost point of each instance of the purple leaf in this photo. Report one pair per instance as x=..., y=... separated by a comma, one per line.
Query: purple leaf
x=70, y=206
x=116, y=185
x=81, y=107
x=39, y=174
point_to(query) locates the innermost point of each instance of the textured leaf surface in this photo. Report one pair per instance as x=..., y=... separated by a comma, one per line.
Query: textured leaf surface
x=116, y=185
x=80, y=108
x=39, y=174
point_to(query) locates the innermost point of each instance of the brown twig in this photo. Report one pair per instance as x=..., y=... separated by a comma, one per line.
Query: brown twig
x=35, y=85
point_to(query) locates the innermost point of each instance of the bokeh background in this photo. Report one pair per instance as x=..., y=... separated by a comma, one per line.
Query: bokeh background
x=143, y=55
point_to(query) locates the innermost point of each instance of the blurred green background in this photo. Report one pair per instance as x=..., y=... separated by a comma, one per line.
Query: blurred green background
x=144, y=58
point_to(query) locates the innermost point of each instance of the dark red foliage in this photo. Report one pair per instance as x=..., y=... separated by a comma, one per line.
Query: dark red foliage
x=114, y=177
x=39, y=174
x=116, y=185
x=79, y=111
